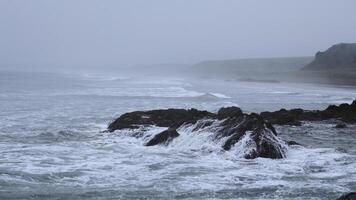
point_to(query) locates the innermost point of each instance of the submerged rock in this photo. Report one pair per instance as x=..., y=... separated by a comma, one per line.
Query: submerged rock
x=229, y=126
x=340, y=125
x=164, y=137
x=291, y=143
x=349, y=196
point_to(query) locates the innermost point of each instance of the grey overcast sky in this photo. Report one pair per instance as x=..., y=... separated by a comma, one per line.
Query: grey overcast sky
x=80, y=33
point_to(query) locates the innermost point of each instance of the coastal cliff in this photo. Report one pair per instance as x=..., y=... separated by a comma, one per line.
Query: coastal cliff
x=339, y=56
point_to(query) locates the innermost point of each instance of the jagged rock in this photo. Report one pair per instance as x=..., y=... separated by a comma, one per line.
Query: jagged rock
x=263, y=140
x=235, y=128
x=227, y=112
x=267, y=145
x=263, y=136
x=349, y=196
x=164, y=137
x=162, y=118
x=229, y=125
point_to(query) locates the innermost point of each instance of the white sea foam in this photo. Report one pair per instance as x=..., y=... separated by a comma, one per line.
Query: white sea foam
x=191, y=162
x=244, y=147
x=219, y=95
x=167, y=92
x=51, y=144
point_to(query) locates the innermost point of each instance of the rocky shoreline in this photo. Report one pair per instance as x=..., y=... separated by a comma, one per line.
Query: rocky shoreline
x=231, y=125
x=344, y=113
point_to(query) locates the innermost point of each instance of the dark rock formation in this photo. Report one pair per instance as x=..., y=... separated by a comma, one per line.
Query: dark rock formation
x=344, y=112
x=349, y=196
x=340, y=125
x=284, y=117
x=229, y=125
x=263, y=135
x=267, y=145
x=227, y=112
x=162, y=118
x=164, y=137
x=260, y=136
x=339, y=56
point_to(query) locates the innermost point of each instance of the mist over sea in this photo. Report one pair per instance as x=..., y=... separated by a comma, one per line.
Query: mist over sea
x=262, y=97
x=52, y=145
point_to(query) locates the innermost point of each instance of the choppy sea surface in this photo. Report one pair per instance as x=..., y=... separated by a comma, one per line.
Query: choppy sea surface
x=52, y=145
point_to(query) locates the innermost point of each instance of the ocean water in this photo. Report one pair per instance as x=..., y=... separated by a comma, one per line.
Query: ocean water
x=52, y=145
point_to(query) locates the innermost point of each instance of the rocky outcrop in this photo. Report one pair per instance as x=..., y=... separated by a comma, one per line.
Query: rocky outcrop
x=284, y=117
x=262, y=135
x=164, y=137
x=229, y=112
x=162, y=118
x=339, y=56
x=344, y=112
x=349, y=196
x=230, y=126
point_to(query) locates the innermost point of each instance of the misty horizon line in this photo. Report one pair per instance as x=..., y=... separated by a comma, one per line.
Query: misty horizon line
x=153, y=64
x=79, y=67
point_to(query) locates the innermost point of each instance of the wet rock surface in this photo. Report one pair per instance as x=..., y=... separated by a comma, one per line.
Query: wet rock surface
x=349, y=196
x=230, y=125
x=162, y=118
x=344, y=112
x=164, y=137
x=228, y=112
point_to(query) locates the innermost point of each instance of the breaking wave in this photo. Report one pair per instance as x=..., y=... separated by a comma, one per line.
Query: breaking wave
x=203, y=136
